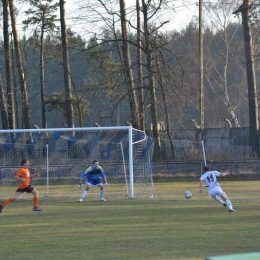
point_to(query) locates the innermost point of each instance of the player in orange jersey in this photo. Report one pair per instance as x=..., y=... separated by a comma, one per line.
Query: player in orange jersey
x=23, y=176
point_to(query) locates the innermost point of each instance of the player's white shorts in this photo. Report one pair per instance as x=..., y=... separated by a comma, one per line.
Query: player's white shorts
x=216, y=191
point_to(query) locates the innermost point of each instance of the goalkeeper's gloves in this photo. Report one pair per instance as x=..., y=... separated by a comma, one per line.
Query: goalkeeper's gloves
x=106, y=184
x=80, y=185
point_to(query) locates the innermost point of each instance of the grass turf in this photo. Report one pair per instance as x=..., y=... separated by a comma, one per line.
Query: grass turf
x=168, y=227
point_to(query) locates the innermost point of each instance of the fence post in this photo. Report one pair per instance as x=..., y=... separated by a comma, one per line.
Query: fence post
x=173, y=169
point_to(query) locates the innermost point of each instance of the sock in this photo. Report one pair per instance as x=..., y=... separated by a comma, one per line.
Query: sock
x=229, y=204
x=8, y=201
x=84, y=193
x=35, y=201
x=101, y=194
x=219, y=200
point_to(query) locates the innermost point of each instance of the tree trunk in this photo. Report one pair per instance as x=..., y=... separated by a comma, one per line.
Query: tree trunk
x=165, y=104
x=227, y=99
x=3, y=109
x=127, y=68
x=251, y=80
x=42, y=81
x=8, y=68
x=152, y=89
x=66, y=67
x=79, y=99
x=25, y=104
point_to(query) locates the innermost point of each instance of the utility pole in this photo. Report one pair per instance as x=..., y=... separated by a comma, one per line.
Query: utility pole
x=201, y=65
x=244, y=9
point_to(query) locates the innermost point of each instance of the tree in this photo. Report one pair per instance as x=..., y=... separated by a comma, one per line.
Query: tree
x=66, y=66
x=251, y=78
x=3, y=107
x=150, y=70
x=220, y=50
x=8, y=68
x=255, y=8
x=41, y=15
x=128, y=68
x=161, y=66
x=57, y=101
x=25, y=103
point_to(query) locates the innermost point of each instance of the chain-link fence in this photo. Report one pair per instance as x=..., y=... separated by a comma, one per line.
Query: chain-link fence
x=189, y=169
x=231, y=144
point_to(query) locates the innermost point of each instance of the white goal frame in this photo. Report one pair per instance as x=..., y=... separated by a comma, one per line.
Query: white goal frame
x=109, y=128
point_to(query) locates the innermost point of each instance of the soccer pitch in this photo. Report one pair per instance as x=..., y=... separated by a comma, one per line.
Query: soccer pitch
x=167, y=227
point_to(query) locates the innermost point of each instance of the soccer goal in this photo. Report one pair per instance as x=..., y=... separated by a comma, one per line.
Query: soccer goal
x=61, y=154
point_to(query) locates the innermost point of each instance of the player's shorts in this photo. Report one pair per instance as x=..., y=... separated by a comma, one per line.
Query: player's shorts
x=28, y=189
x=96, y=182
x=216, y=191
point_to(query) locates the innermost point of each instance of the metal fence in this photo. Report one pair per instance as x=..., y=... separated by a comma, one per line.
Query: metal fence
x=188, y=169
x=220, y=144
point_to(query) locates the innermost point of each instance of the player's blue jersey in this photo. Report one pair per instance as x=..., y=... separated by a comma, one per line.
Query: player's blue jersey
x=92, y=173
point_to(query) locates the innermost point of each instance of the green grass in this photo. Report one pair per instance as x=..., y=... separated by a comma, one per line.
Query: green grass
x=168, y=227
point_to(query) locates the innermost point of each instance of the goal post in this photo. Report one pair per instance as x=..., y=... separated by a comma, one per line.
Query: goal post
x=124, y=152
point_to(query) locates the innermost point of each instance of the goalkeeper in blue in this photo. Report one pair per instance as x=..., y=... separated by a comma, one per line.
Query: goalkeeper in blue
x=92, y=175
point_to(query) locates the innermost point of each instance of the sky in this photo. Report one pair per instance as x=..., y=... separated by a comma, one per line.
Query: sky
x=184, y=11
x=179, y=17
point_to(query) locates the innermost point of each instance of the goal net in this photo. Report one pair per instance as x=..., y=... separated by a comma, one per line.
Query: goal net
x=61, y=155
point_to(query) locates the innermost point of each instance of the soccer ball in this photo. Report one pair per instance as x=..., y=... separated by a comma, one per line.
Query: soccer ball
x=187, y=194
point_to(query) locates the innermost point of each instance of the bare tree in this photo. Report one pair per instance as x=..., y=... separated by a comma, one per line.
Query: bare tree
x=220, y=18
x=161, y=66
x=128, y=68
x=150, y=70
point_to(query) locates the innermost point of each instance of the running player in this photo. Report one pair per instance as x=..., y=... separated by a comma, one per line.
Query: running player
x=214, y=190
x=24, y=177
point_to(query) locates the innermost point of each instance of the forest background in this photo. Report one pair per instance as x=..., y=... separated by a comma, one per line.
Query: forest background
x=124, y=66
